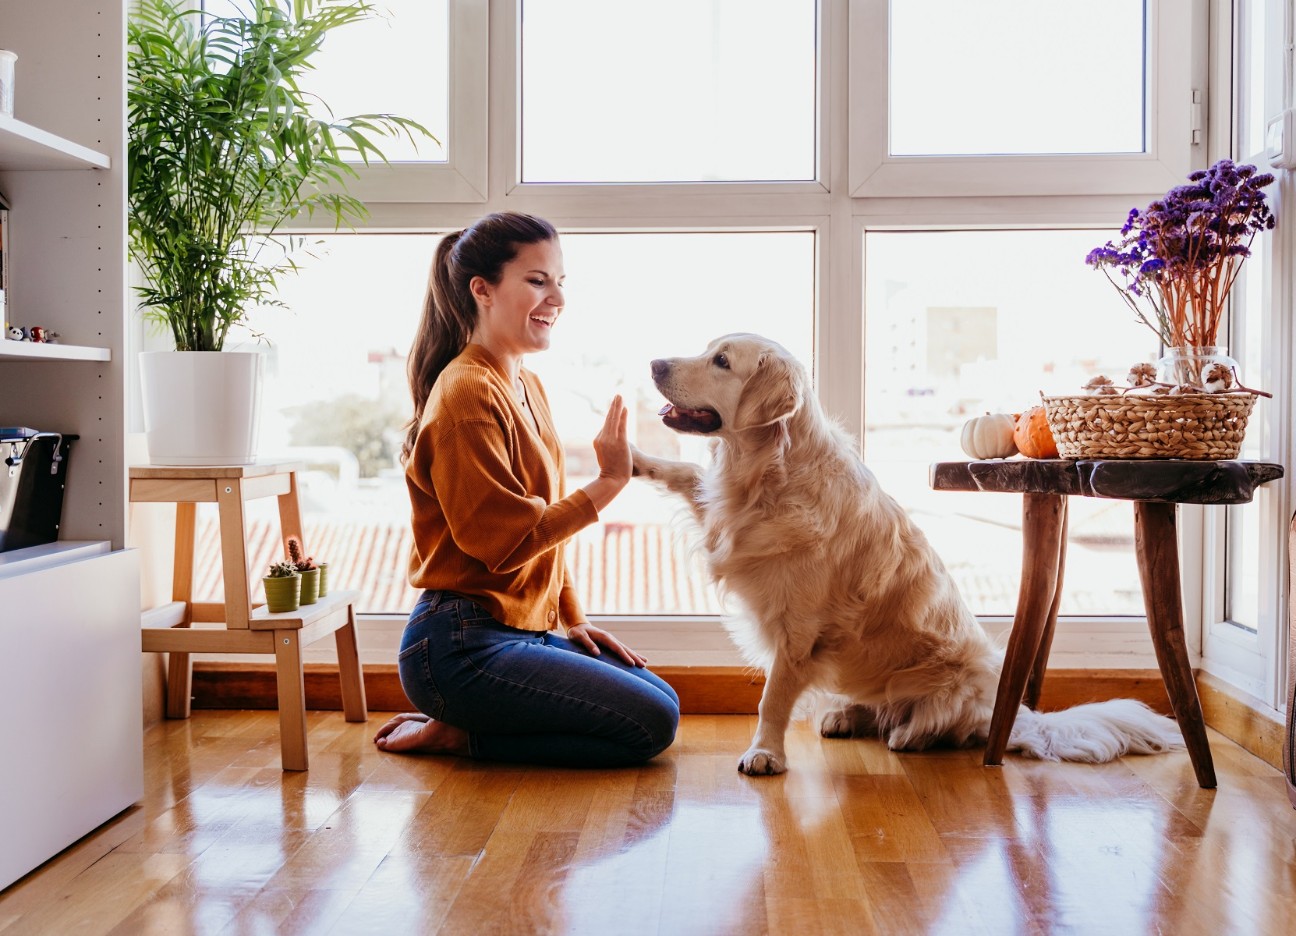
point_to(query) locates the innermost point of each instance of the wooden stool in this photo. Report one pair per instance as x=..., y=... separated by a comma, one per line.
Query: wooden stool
x=1155, y=487
x=246, y=628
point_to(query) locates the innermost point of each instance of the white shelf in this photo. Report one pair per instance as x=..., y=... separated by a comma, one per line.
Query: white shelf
x=23, y=146
x=40, y=351
x=32, y=558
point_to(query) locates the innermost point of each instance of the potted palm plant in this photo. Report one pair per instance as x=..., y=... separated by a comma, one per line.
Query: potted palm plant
x=225, y=148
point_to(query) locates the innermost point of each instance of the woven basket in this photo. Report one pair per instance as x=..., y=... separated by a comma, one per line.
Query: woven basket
x=1196, y=425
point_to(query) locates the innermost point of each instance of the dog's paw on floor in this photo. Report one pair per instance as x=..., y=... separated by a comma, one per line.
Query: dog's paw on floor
x=758, y=762
x=851, y=721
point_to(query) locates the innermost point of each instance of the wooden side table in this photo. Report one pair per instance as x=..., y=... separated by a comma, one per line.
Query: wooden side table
x=1155, y=487
x=246, y=628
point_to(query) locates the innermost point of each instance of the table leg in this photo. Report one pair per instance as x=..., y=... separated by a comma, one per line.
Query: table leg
x=348, y=651
x=179, y=694
x=1035, y=683
x=1043, y=518
x=291, y=684
x=234, y=560
x=1157, y=546
x=290, y=523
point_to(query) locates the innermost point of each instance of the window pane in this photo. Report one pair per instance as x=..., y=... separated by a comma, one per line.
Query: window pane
x=397, y=61
x=960, y=324
x=633, y=298
x=668, y=90
x=1016, y=77
x=1243, y=544
x=1251, y=111
x=335, y=397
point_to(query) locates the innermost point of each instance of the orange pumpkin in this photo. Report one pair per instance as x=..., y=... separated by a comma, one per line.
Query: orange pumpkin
x=1032, y=434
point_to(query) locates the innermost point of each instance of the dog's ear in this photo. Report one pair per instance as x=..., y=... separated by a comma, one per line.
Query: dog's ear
x=771, y=393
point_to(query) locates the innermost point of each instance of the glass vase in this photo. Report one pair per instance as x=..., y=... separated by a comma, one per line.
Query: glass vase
x=1187, y=365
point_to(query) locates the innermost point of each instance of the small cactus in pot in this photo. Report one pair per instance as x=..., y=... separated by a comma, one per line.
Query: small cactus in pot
x=308, y=567
x=282, y=587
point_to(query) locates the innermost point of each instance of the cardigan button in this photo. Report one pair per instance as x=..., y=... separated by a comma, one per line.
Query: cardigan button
x=553, y=616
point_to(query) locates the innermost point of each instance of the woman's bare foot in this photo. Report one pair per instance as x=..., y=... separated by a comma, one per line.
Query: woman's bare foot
x=415, y=733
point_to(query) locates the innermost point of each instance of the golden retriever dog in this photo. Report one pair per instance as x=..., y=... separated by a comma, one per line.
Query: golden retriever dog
x=838, y=591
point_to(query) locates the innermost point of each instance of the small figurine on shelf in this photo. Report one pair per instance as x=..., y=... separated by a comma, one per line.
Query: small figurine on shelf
x=14, y=333
x=309, y=569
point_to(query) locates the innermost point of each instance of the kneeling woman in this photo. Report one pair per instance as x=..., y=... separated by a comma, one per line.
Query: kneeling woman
x=480, y=656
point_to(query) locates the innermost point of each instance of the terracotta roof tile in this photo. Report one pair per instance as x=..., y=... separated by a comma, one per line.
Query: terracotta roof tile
x=618, y=568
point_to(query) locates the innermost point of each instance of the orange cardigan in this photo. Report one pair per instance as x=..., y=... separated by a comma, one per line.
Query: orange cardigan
x=489, y=510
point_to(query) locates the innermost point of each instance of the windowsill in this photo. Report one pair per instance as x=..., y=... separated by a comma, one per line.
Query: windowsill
x=1079, y=643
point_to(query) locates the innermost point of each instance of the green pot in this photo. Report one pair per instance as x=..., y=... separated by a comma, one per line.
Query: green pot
x=310, y=586
x=283, y=592
x=323, y=570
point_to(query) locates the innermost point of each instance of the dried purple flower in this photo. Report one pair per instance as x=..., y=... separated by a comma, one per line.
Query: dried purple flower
x=1177, y=259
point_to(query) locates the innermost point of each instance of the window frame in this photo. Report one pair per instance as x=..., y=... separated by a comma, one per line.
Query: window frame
x=462, y=177
x=506, y=45
x=1173, y=121
x=1256, y=662
x=851, y=196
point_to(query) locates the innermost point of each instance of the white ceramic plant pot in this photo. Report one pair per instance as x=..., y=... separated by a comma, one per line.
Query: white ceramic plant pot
x=201, y=407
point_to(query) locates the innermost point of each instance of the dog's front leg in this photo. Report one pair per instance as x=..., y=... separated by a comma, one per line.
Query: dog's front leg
x=784, y=684
x=682, y=478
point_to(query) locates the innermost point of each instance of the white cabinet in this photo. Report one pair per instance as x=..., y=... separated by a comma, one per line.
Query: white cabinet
x=69, y=617
x=71, y=730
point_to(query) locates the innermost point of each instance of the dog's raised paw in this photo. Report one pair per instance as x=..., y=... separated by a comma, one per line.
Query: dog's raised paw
x=758, y=762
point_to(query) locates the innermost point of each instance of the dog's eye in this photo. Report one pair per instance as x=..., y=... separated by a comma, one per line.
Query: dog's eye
x=721, y=360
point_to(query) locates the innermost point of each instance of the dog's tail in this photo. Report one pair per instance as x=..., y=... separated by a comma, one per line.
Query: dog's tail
x=1094, y=733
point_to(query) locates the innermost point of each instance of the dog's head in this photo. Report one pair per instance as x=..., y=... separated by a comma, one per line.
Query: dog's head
x=740, y=382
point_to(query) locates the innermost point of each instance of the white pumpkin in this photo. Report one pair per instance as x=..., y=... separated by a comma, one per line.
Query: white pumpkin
x=989, y=436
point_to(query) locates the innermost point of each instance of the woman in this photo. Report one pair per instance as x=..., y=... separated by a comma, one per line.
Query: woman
x=480, y=656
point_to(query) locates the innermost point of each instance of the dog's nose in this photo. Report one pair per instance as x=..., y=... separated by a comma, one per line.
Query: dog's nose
x=660, y=368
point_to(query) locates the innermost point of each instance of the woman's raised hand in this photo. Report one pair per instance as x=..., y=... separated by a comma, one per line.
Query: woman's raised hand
x=612, y=448
x=612, y=445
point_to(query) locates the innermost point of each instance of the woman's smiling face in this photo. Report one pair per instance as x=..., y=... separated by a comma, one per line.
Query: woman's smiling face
x=517, y=314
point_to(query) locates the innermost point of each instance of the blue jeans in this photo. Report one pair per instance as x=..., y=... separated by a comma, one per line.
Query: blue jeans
x=528, y=696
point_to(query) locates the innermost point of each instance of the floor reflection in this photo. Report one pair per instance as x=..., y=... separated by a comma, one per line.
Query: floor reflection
x=854, y=839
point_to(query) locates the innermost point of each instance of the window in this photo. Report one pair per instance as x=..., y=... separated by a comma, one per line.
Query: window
x=356, y=64
x=878, y=184
x=336, y=396
x=1019, y=97
x=964, y=323
x=1244, y=594
x=423, y=59
x=1000, y=79
x=722, y=91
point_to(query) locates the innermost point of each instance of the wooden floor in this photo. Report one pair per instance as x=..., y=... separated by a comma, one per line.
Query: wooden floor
x=854, y=839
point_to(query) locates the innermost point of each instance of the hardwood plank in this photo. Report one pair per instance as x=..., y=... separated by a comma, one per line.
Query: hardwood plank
x=853, y=839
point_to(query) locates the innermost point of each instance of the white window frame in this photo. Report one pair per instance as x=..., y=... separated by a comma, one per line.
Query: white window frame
x=462, y=177
x=506, y=45
x=847, y=199
x=1170, y=132
x=1257, y=662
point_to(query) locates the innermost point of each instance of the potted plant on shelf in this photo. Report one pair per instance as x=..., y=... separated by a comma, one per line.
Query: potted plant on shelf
x=282, y=587
x=225, y=147
x=309, y=569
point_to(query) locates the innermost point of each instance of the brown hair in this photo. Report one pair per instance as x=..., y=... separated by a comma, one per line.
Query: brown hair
x=449, y=310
